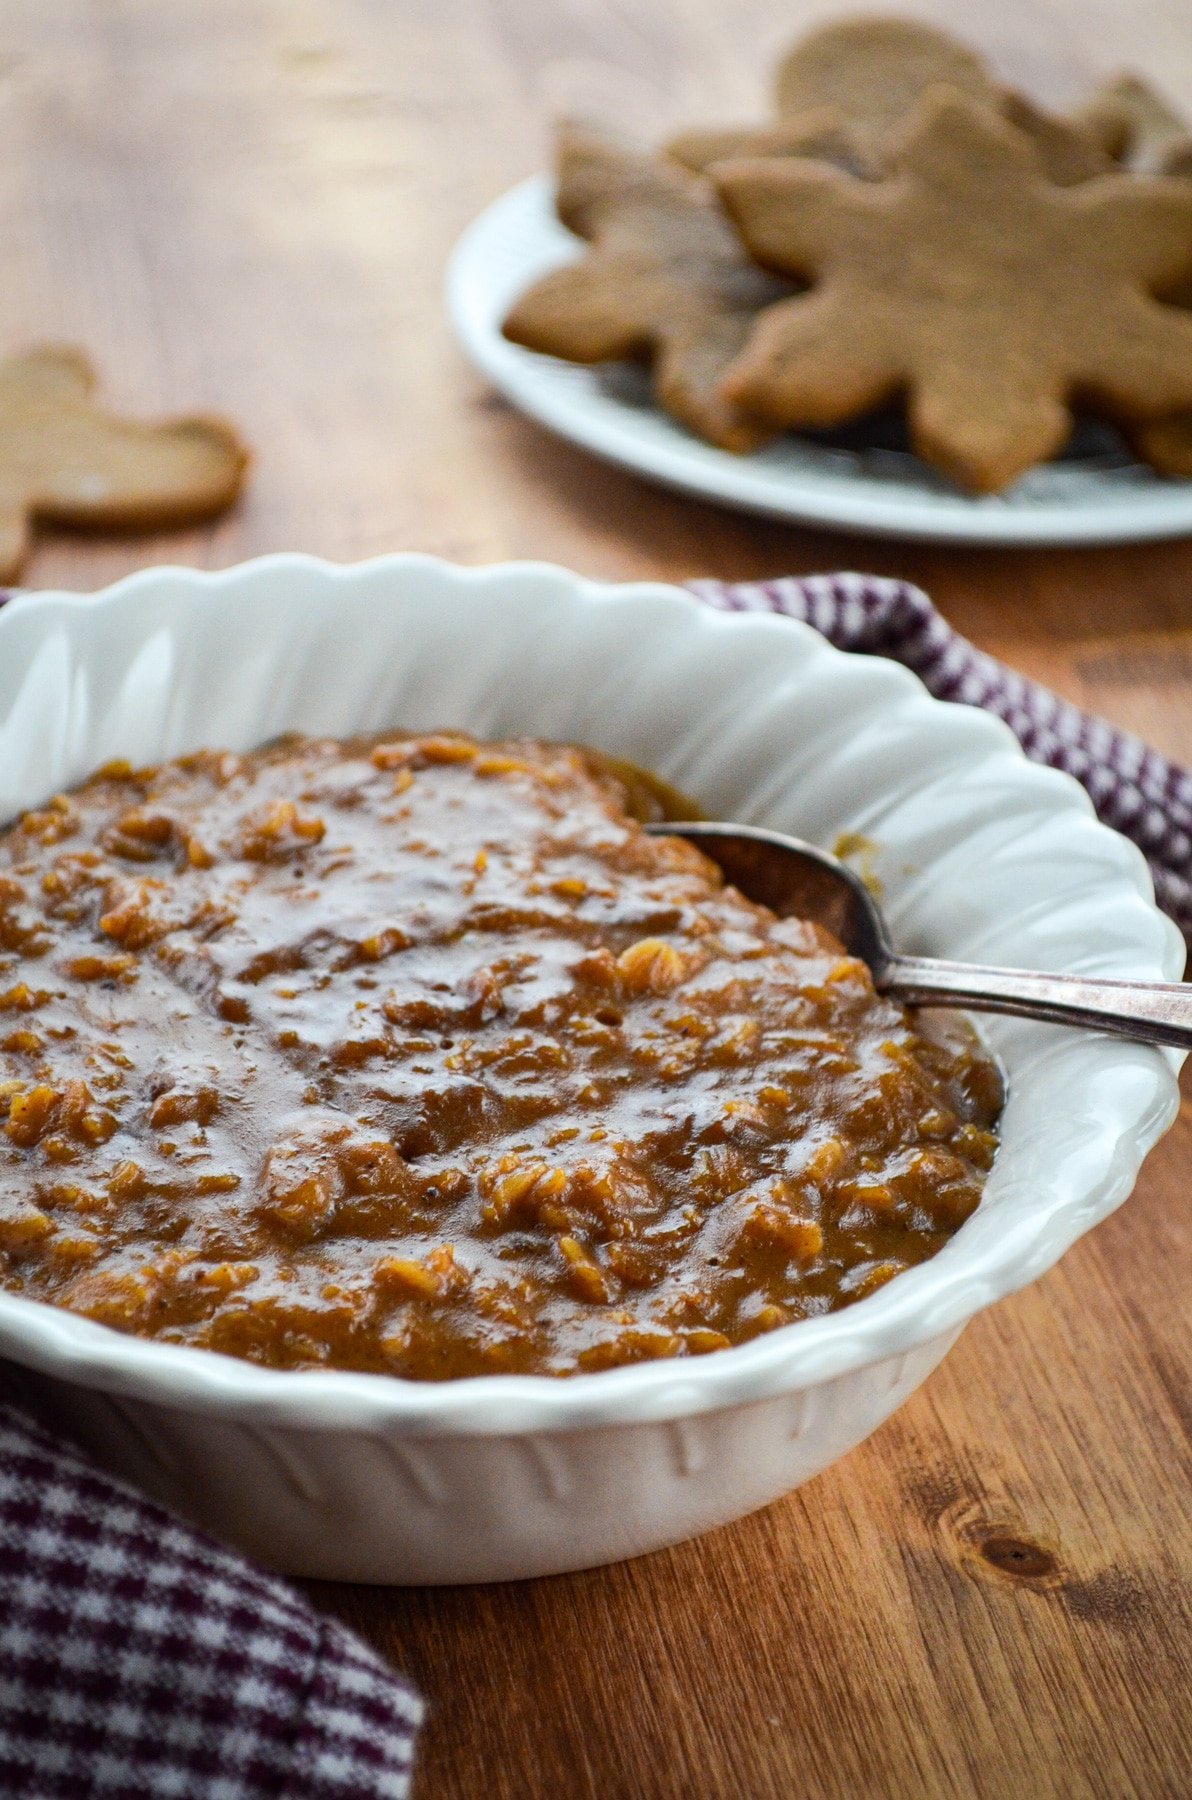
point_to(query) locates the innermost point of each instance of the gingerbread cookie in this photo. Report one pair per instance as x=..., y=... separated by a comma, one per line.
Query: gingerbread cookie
x=969, y=283
x=702, y=145
x=839, y=93
x=1166, y=444
x=873, y=72
x=1145, y=133
x=845, y=89
x=1069, y=149
x=821, y=134
x=665, y=279
x=65, y=460
x=1137, y=127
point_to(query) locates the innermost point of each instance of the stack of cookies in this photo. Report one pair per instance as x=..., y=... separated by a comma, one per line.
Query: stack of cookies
x=905, y=231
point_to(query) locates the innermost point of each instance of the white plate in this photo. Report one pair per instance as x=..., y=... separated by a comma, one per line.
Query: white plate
x=982, y=854
x=1102, y=500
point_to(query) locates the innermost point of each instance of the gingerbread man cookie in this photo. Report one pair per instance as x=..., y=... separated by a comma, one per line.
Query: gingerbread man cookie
x=665, y=278
x=65, y=460
x=968, y=282
x=844, y=91
x=873, y=72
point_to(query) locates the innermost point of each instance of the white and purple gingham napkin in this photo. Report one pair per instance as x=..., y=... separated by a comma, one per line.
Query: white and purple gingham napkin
x=140, y=1660
x=1132, y=787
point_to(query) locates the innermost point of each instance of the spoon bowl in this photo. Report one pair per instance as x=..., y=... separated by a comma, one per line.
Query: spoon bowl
x=794, y=878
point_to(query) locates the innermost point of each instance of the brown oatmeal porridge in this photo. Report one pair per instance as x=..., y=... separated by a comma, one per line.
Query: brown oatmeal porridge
x=418, y=1055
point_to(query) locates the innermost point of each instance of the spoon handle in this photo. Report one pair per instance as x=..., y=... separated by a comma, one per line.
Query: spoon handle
x=1153, y=1012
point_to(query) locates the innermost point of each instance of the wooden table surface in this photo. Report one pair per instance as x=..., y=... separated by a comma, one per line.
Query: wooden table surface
x=247, y=205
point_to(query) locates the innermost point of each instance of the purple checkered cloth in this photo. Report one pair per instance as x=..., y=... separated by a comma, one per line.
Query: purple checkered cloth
x=140, y=1660
x=1132, y=787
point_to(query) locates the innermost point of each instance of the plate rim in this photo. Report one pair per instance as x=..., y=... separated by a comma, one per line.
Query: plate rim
x=686, y=465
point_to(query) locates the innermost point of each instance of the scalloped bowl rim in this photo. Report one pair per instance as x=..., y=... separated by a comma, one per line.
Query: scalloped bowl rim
x=924, y=1303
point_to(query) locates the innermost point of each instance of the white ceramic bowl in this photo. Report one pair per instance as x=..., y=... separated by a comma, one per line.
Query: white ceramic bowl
x=366, y=1478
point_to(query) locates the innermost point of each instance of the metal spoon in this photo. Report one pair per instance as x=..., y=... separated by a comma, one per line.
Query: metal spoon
x=794, y=878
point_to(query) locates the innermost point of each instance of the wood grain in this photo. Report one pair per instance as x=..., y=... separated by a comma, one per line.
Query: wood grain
x=247, y=206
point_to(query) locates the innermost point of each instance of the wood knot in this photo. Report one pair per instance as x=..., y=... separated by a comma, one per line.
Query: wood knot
x=994, y=1542
x=1019, y=1557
